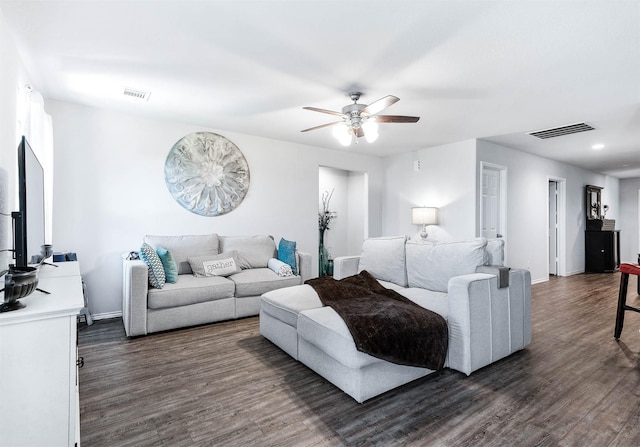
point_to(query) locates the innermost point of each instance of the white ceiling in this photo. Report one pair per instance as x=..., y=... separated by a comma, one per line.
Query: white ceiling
x=470, y=69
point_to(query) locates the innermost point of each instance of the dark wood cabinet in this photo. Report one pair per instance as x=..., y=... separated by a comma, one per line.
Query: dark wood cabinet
x=602, y=251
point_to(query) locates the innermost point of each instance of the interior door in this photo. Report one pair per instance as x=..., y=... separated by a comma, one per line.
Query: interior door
x=553, y=228
x=490, y=225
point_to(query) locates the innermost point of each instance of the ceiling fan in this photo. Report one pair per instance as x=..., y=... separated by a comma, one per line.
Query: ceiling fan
x=360, y=120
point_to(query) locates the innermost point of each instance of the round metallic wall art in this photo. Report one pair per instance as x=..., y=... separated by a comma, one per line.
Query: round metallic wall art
x=206, y=174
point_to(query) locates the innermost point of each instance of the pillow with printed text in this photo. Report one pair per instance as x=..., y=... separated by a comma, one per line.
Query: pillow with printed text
x=224, y=264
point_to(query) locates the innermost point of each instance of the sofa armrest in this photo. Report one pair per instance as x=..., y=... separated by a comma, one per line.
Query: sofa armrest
x=344, y=266
x=487, y=323
x=501, y=273
x=304, y=265
x=135, y=285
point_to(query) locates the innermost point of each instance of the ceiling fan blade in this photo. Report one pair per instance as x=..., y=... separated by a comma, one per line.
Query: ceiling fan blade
x=380, y=105
x=323, y=125
x=395, y=119
x=330, y=112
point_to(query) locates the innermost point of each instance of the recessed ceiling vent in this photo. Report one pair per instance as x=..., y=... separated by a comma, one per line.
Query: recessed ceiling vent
x=560, y=131
x=136, y=94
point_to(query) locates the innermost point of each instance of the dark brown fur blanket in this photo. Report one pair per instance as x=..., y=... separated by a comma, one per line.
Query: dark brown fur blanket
x=384, y=323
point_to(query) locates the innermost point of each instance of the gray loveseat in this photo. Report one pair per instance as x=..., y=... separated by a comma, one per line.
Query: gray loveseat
x=487, y=308
x=193, y=300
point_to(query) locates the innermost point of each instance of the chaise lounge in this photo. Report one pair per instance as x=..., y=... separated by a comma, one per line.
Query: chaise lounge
x=487, y=308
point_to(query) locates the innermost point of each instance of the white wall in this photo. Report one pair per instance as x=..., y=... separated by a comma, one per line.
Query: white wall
x=447, y=180
x=629, y=219
x=357, y=213
x=12, y=76
x=110, y=191
x=527, y=206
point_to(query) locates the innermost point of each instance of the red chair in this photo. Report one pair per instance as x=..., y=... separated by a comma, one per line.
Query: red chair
x=626, y=270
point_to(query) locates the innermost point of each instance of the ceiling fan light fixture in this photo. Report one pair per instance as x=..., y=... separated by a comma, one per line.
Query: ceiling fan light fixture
x=370, y=129
x=361, y=120
x=343, y=134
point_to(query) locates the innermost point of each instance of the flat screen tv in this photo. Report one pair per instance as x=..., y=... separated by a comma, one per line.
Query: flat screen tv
x=29, y=226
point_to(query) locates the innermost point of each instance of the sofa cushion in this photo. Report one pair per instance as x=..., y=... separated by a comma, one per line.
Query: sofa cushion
x=437, y=302
x=391, y=285
x=429, y=299
x=181, y=247
x=285, y=304
x=156, y=269
x=190, y=289
x=253, y=251
x=169, y=264
x=324, y=329
x=384, y=258
x=430, y=266
x=224, y=264
x=256, y=281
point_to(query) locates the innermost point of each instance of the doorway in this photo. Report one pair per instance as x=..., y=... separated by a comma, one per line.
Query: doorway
x=493, y=202
x=556, y=204
x=349, y=200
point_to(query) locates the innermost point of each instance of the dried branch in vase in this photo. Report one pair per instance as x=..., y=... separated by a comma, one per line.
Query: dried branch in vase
x=325, y=216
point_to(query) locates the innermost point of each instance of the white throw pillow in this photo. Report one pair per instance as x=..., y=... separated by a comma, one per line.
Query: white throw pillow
x=224, y=264
x=431, y=266
x=495, y=252
x=280, y=268
x=384, y=258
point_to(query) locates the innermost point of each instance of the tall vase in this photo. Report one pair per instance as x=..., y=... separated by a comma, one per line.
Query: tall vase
x=323, y=257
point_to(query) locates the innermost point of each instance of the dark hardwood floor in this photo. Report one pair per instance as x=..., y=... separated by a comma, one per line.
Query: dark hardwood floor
x=223, y=384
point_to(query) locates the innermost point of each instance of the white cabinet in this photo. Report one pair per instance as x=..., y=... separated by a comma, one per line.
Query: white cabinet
x=38, y=355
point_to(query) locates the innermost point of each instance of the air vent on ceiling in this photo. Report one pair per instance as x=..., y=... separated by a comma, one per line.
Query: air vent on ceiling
x=136, y=94
x=562, y=130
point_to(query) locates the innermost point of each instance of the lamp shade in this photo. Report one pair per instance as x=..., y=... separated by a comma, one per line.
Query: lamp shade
x=424, y=216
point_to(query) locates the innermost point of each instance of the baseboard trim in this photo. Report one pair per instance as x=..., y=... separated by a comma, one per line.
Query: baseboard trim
x=539, y=280
x=107, y=315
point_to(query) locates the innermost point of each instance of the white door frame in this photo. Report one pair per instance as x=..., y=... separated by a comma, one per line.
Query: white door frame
x=503, y=202
x=561, y=202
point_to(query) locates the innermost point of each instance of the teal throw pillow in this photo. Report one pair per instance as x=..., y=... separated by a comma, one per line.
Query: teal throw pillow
x=169, y=265
x=156, y=270
x=287, y=254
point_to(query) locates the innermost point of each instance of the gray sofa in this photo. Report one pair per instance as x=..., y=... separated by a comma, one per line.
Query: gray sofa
x=487, y=308
x=198, y=300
